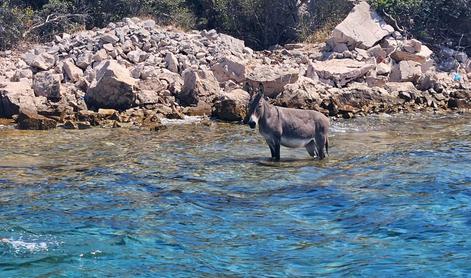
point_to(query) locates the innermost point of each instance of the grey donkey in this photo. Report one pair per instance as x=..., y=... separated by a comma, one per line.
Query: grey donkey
x=293, y=128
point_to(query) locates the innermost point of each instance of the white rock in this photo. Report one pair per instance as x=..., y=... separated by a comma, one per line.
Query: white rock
x=113, y=87
x=342, y=71
x=73, y=72
x=229, y=68
x=274, y=79
x=383, y=68
x=362, y=28
x=405, y=71
x=171, y=62
x=15, y=96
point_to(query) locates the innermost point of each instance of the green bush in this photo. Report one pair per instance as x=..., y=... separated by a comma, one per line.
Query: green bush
x=434, y=21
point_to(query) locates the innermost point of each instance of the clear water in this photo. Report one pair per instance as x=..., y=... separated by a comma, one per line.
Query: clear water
x=392, y=200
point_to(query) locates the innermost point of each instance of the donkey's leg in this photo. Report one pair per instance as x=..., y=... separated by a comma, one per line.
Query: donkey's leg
x=320, y=143
x=275, y=145
x=311, y=148
x=277, y=150
x=272, y=149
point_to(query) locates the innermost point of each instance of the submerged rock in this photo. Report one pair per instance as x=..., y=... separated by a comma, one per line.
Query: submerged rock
x=31, y=120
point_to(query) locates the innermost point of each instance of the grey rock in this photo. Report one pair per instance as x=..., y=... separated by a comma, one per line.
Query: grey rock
x=110, y=38
x=232, y=106
x=73, y=72
x=405, y=71
x=47, y=84
x=113, y=87
x=199, y=86
x=84, y=59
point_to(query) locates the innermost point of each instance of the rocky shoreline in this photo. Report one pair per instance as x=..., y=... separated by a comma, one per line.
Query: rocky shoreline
x=135, y=73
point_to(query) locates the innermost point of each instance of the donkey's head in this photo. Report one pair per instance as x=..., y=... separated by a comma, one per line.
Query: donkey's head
x=255, y=106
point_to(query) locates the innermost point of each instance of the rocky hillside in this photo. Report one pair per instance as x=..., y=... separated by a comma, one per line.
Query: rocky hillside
x=135, y=73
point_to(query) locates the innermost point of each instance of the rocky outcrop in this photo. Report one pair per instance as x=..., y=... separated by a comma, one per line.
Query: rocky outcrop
x=145, y=72
x=362, y=28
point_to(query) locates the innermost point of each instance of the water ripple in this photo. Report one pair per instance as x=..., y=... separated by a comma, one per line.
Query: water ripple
x=392, y=199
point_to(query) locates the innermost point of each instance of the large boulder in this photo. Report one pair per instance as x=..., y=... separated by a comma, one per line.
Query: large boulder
x=199, y=86
x=15, y=96
x=113, y=87
x=274, y=79
x=303, y=94
x=229, y=68
x=233, y=44
x=362, y=28
x=342, y=71
x=29, y=119
x=172, y=81
x=232, y=106
x=47, y=84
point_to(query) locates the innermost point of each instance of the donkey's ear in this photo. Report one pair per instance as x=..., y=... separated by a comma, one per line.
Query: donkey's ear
x=261, y=88
x=248, y=88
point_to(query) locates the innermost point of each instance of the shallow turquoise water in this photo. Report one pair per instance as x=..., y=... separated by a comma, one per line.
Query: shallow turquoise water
x=392, y=200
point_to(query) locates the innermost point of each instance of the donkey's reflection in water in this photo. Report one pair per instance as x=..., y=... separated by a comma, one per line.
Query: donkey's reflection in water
x=292, y=128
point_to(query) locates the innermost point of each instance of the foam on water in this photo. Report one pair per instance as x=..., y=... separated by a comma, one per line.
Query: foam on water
x=19, y=246
x=185, y=120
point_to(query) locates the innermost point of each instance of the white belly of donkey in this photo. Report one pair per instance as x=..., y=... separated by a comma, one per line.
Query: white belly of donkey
x=294, y=142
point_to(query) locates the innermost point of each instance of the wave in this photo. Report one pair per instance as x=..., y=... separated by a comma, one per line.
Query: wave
x=20, y=246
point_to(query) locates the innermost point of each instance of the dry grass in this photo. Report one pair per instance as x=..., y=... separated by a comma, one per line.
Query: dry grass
x=321, y=34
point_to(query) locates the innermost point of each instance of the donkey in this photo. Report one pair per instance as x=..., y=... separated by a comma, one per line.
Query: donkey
x=293, y=128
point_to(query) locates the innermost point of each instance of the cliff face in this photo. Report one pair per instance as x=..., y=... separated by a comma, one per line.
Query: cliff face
x=135, y=72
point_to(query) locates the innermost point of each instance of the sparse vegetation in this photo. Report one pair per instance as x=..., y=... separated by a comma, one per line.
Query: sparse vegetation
x=261, y=23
